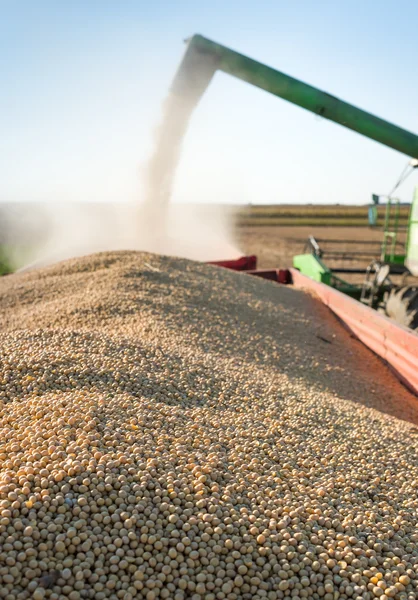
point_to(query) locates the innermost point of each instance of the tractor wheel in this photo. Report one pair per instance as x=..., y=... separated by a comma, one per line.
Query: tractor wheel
x=402, y=306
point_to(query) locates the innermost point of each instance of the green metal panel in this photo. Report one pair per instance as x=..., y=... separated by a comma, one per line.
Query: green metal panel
x=203, y=57
x=389, y=251
x=313, y=267
x=372, y=216
x=394, y=259
x=412, y=248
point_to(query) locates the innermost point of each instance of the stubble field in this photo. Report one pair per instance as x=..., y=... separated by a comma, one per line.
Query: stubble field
x=275, y=246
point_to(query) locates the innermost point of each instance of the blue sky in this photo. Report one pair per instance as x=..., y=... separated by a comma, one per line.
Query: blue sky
x=82, y=81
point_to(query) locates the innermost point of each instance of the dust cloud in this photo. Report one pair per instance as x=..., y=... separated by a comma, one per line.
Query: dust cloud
x=154, y=223
x=44, y=234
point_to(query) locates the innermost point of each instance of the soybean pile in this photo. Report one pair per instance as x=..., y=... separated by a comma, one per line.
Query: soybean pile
x=170, y=429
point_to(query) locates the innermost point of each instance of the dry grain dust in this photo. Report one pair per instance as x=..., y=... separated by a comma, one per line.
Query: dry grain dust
x=174, y=430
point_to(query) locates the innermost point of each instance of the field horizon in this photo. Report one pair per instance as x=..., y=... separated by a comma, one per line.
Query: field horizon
x=324, y=215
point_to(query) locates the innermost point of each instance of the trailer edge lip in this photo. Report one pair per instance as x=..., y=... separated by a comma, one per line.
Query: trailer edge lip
x=243, y=263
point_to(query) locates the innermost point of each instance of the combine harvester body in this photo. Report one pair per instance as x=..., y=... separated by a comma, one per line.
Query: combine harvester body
x=378, y=291
x=396, y=344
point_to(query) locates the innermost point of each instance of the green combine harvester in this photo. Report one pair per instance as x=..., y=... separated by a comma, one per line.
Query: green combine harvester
x=377, y=290
x=204, y=57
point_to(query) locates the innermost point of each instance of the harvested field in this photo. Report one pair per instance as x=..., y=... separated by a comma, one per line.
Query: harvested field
x=276, y=246
x=333, y=215
x=174, y=430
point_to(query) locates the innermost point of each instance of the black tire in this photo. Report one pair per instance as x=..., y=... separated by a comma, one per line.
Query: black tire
x=402, y=306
